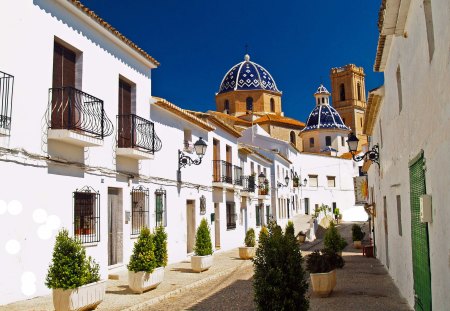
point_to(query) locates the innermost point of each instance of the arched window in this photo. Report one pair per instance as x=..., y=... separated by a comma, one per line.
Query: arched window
x=318, y=101
x=227, y=106
x=328, y=141
x=358, y=87
x=311, y=142
x=272, y=105
x=292, y=137
x=249, y=103
x=342, y=91
x=323, y=100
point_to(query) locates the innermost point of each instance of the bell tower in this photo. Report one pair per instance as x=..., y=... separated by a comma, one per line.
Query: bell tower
x=348, y=93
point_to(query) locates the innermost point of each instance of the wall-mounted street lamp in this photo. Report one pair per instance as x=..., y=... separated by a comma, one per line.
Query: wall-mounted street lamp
x=286, y=179
x=261, y=180
x=295, y=178
x=200, y=150
x=372, y=155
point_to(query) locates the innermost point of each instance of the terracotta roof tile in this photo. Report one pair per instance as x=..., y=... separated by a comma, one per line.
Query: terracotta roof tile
x=279, y=119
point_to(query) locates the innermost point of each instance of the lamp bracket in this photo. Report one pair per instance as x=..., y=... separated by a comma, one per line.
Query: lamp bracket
x=184, y=160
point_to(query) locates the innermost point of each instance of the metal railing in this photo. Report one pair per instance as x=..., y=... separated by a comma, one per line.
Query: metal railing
x=222, y=171
x=237, y=175
x=6, y=95
x=72, y=109
x=137, y=132
x=248, y=183
x=139, y=209
x=86, y=211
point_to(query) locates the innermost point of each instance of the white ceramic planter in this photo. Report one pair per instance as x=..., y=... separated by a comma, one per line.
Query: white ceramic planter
x=201, y=263
x=86, y=297
x=246, y=252
x=323, y=283
x=142, y=281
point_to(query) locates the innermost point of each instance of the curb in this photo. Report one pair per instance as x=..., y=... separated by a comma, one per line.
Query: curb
x=145, y=304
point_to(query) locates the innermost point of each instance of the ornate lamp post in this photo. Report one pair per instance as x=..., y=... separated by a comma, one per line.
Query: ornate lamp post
x=372, y=155
x=200, y=150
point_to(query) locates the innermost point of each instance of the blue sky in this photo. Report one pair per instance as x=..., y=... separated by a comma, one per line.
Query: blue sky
x=198, y=41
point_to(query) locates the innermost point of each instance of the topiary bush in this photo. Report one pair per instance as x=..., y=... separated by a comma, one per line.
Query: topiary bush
x=203, y=245
x=279, y=281
x=290, y=230
x=357, y=233
x=160, y=241
x=333, y=240
x=250, y=238
x=143, y=256
x=263, y=233
x=70, y=268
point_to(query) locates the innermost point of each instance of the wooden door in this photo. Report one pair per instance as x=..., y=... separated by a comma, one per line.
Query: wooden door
x=216, y=158
x=190, y=225
x=115, y=227
x=125, y=130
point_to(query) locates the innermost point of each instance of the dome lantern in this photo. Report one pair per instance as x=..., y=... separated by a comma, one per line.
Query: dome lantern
x=322, y=96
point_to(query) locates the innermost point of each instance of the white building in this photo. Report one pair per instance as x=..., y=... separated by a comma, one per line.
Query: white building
x=409, y=120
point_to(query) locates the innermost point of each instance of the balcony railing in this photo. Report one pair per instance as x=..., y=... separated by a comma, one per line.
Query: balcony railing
x=72, y=109
x=137, y=132
x=237, y=175
x=222, y=171
x=6, y=95
x=248, y=183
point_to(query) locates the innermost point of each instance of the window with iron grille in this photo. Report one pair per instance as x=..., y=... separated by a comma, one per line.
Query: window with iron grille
x=231, y=215
x=258, y=217
x=139, y=209
x=160, y=207
x=86, y=211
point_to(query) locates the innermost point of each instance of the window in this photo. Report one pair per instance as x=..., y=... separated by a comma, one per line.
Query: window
x=343, y=141
x=399, y=215
x=259, y=212
x=331, y=181
x=334, y=207
x=312, y=180
x=342, y=92
x=139, y=209
x=160, y=208
x=323, y=100
x=292, y=137
x=6, y=96
x=272, y=105
x=226, y=106
x=86, y=206
x=249, y=103
x=327, y=141
x=399, y=89
x=231, y=215
x=311, y=142
x=429, y=25
x=343, y=120
x=318, y=101
x=358, y=88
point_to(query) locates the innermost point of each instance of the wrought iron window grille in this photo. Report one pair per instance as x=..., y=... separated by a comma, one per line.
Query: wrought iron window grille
x=231, y=215
x=72, y=109
x=160, y=207
x=139, y=209
x=86, y=211
x=6, y=97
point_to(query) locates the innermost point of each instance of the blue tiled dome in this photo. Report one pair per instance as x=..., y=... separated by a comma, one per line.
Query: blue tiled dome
x=324, y=117
x=247, y=76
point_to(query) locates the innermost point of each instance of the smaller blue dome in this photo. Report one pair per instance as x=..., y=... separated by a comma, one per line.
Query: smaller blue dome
x=322, y=90
x=247, y=76
x=324, y=117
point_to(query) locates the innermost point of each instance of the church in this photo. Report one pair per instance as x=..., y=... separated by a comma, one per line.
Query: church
x=250, y=101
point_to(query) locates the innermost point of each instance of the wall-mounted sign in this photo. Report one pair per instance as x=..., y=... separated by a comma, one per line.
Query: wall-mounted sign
x=361, y=190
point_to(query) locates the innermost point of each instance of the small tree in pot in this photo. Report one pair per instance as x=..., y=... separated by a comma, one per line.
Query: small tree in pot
x=357, y=236
x=74, y=279
x=248, y=251
x=142, y=275
x=333, y=240
x=322, y=268
x=203, y=259
x=279, y=281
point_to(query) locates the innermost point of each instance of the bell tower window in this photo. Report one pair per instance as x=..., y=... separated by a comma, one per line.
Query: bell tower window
x=358, y=87
x=292, y=137
x=272, y=105
x=342, y=92
x=226, y=106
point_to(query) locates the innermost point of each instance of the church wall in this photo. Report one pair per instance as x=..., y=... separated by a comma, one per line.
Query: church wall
x=237, y=100
x=284, y=133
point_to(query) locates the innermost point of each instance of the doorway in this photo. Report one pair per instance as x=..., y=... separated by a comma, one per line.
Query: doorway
x=306, y=206
x=115, y=226
x=217, y=225
x=190, y=225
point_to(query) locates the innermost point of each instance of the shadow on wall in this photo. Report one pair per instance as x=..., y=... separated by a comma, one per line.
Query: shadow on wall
x=69, y=154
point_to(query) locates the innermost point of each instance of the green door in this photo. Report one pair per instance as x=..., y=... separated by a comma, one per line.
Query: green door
x=419, y=238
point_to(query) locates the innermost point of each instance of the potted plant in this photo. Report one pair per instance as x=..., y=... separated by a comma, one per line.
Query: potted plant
x=248, y=251
x=301, y=237
x=77, y=224
x=73, y=278
x=333, y=240
x=142, y=274
x=336, y=213
x=203, y=259
x=357, y=236
x=295, y=181
x=322, y=270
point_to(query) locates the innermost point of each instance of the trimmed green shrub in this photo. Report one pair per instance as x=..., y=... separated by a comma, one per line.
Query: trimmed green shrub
x=263, y=233
x=357, y=233
x=279, y=281
x=70, y=268
x=250, y=238
x=203, y=245
x=160, y=241
x=143, y=256
x=290, y=230
x=323, y=261
x=333, y=240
